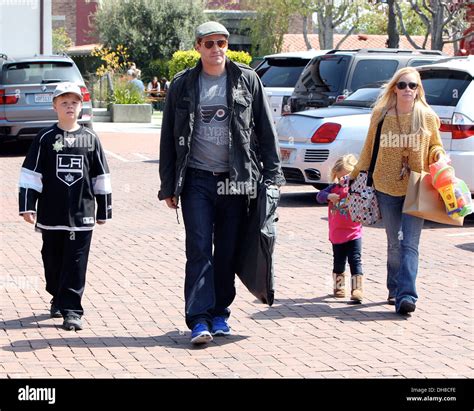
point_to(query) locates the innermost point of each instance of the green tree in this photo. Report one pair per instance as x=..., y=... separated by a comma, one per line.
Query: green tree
x=443, y=20
x=373, y=20
x=271, y=23
x=150, y=29
x=61, y=40
x=332, y=14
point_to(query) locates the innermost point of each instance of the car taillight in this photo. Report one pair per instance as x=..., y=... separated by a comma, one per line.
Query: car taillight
x=458, y=131
x=7, y=99
x=327, y=133
x=461, y=127
x=85, y=94
x=340, y=97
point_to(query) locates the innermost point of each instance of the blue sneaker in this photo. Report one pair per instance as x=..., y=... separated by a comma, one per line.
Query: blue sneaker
x=200, y=334
x=220, y=326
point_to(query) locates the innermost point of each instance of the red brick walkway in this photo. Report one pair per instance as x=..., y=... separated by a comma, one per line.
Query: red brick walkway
x=134, y=325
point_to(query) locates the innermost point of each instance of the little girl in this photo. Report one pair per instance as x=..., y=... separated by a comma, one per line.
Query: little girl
x=344, y=234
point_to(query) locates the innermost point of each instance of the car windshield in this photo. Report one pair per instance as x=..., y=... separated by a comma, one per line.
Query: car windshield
x=281, y=72
x=444, y=87
x=364, y=97
x=39, y=73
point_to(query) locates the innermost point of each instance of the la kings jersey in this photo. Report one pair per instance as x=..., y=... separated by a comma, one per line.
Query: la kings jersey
x=64, y=173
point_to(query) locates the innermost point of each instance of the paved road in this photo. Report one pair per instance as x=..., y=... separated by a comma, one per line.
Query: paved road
x=134, y=295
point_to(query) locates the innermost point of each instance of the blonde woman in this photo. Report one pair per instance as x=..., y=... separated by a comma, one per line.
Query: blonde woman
x=409, y=140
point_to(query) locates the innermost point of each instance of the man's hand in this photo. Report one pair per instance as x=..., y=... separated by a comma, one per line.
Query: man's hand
x=333, y=198
x=29, y=217
x=172, y=202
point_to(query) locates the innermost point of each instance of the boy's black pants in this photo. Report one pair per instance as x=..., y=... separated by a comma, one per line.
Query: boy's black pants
x=65, y=255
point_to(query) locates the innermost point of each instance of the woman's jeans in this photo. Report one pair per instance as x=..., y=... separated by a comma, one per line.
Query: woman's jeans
x=403, y=236
x=211, y=217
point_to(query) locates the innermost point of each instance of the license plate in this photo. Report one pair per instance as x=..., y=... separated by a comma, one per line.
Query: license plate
x=285, y=154
x=43, y=98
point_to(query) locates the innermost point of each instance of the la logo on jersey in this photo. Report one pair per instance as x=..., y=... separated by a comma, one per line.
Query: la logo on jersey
x=69, y=168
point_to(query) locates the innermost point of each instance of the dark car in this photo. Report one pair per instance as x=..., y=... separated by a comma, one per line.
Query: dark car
x=279, y=74
x=26, y=94
x=333, y=76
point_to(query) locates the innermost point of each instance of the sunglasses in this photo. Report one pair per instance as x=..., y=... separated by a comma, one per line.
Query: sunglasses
x=209, y=44
x=402, y=85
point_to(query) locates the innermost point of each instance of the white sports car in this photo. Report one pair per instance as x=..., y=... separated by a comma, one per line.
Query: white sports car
x=311, y=141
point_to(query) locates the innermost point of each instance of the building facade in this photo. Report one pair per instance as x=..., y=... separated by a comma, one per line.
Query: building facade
x=76, y=16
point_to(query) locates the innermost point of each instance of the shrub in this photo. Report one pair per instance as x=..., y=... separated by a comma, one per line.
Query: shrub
x=182, y=60
x=157, y=67
x=126, y=93
x=239, y=57
x=188, y=58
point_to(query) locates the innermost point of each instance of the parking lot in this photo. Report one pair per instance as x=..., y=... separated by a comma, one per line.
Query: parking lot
x=134, y=322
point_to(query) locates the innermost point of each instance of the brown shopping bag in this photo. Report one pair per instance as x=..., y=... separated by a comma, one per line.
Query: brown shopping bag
x=423, y=200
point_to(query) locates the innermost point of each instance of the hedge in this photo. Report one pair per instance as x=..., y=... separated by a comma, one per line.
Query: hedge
x=189, y=58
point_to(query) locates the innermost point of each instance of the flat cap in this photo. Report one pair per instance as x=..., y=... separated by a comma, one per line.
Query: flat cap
x=209, y=28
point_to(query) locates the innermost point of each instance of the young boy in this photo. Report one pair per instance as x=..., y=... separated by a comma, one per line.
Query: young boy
x=64, y=170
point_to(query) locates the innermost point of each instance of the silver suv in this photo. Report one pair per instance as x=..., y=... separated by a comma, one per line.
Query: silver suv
x=26, y=93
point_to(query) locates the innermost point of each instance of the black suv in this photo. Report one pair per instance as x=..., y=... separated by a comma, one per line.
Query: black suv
x=333, y=76
x=26, y=94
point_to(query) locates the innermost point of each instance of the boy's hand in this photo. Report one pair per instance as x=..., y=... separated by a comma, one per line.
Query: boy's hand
x=333, y=198
x=29, y=217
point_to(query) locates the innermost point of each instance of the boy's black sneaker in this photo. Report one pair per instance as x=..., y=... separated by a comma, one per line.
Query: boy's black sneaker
x=72, y=323
x=54, y=311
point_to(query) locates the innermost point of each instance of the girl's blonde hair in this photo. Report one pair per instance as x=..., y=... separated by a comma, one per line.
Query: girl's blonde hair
x=388, y=100
x=346, y=162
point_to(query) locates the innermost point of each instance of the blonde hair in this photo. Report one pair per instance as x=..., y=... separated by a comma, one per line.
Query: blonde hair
x=346, y=162
x=388, y=100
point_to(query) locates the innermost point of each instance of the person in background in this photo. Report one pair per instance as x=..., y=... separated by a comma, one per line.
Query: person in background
x=133, y=80
x=165, y=83
x=154, y=87
x=137, y=71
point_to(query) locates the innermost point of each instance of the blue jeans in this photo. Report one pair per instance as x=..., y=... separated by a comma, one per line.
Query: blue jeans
x=211, y=217
x=349, y=251
x=403, y=236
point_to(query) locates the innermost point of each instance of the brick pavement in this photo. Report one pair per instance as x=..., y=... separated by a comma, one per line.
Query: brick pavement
x=134, y=296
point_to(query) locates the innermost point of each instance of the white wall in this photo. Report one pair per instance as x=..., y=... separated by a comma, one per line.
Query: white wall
x=20, y=27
